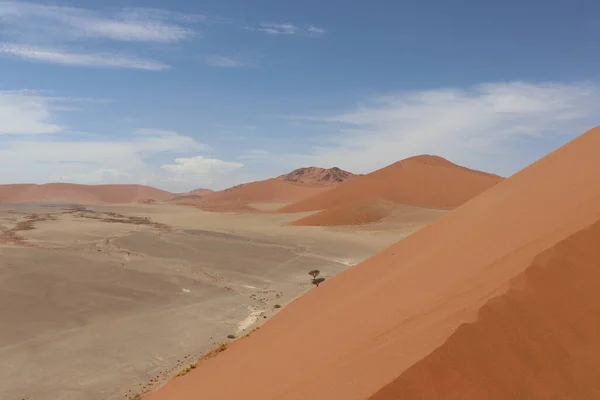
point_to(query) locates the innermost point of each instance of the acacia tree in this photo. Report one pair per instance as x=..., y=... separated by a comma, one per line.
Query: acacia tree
x=317, y=281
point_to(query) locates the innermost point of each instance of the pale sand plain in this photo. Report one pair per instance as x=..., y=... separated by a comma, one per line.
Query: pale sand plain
x=106, y=302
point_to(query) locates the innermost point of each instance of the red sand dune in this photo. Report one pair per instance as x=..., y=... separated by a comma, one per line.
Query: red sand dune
x=297, y=185
x=85, y=194
x=497, y=299
x=183, y=198
x=422, y=181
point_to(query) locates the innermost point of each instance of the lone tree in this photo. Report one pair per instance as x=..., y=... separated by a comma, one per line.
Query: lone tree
x=317, y=281
x=314, y=273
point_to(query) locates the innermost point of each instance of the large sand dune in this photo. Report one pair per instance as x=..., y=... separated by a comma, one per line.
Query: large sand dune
x=422, y=181
x=505, y=263
x=80, y=194
x=297, y=185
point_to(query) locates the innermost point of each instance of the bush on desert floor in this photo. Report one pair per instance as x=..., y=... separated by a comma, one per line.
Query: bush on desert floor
x=314, y=273
x=318, y=281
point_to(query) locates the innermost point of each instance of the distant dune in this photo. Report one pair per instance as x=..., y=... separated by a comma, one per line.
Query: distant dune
x=297, y=185
x=355, y=213
x=192, y=195
x=497, y=299
x=81, y=194
x=421, y=181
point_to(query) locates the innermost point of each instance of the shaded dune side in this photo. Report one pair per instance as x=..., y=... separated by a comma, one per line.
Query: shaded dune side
x=421, y=181
x=540, y=340
x=349, y=214
x=239, y=197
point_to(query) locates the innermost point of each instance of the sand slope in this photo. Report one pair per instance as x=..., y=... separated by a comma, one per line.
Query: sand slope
x=356, y=213
x=297, y=185
x=422, y=181
x=363, y=329
x=535, y=342
x=192, y=195
x=84, y=194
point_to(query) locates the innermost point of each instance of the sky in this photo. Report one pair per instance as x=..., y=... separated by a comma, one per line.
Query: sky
x=184, y=94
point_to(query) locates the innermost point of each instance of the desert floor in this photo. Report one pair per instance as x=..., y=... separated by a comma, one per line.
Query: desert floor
x=105, y=302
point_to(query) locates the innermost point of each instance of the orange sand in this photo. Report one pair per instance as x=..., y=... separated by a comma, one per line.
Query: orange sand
x=357, y=213
x=421, y=181
x=297, y=185
x=395, y=318
x=83, y=194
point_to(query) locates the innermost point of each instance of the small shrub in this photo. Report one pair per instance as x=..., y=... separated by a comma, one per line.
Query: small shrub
x=276, y=306
x=186, y=370
x=230, y=336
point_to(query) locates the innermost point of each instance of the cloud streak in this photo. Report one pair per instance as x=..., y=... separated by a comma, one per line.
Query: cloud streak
x=288, y=29
x=143, y=25
x=220, y=61
x=485, y=126
x=98, y=60
x=200, y=166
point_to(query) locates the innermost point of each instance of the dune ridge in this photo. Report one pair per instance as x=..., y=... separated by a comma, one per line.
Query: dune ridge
x=84, y=194
x=422, y=181
x=364, y=328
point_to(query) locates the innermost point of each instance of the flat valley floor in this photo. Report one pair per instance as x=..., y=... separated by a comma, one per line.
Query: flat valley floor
x=106, y=302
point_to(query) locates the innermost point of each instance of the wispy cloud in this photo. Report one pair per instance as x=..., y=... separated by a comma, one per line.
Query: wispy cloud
x=199, y=165
x=137, y=24
x=315, y=31
x=100, y=60
x=227, y=62
x=287, y=29
x=484, y=126
x=26, y=113
x=34, y=147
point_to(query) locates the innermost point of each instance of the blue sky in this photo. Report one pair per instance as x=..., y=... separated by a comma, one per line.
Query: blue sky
x=187, y=94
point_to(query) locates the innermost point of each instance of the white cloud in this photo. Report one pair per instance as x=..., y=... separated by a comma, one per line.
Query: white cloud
x=255, y=154
x=30, y=112
x=287, y=29
x=138, y=24
x=278, y=29
x=481, y=127
x=226, y=62
x=34, y=148
x=315, y=31
x=27, y=113
x=100, y=60
x=199, y=165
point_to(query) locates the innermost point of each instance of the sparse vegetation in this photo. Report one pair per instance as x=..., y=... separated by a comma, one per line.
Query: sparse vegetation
x=230, y=336
x=219, y=349
x=276, y=306
x=318, y=281
x=186, y=370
